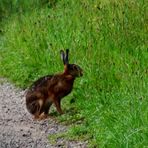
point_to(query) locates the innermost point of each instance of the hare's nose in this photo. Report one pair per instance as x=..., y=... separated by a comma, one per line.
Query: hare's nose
x=81, y=73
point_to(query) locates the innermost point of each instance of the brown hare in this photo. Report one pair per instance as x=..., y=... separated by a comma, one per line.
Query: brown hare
x=51, y=89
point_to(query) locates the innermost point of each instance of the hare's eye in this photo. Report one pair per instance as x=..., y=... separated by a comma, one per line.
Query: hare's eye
x=74, y=67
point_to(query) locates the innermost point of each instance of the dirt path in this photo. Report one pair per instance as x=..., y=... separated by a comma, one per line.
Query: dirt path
x=18, y=130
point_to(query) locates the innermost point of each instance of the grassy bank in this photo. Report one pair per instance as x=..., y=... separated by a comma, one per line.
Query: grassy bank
x=108, y=40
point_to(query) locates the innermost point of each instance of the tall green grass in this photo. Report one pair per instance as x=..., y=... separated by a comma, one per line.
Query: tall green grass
x=108, y=40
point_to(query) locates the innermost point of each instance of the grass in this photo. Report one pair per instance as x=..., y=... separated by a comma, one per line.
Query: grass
x=108, y=40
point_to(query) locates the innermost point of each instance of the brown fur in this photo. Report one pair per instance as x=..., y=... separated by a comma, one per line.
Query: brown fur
x=51, y=89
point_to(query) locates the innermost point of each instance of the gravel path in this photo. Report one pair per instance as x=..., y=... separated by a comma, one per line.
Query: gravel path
x=19, y=130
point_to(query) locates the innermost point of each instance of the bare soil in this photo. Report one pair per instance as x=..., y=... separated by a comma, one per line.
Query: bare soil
x=19, y=130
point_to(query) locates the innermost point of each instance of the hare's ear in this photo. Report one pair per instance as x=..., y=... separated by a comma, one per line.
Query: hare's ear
x=67, y=56
x=62, y=56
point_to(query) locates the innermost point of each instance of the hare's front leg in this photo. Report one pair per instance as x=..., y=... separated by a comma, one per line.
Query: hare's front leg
x=58, y=106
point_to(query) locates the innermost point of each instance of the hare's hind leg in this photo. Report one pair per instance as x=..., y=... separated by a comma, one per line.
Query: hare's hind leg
x=47, y=105
x=42, y=116
x=39, y=109
x=34, y=105
x=45, y=109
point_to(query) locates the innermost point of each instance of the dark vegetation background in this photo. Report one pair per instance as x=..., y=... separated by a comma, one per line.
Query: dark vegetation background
x=108, y=39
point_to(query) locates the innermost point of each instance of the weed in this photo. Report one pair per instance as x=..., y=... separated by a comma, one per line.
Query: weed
x=106, y=38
